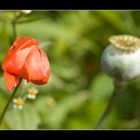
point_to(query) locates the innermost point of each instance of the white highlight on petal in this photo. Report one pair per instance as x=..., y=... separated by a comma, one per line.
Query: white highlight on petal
x=20, y=106
x=31, y=96
x=14, y=100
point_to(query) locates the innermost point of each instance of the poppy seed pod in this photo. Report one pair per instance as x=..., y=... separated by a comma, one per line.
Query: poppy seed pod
x=121, y=59
x=25, y=60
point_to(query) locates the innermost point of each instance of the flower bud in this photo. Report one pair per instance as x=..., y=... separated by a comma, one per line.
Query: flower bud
x=121, y=59
x=25, y=59
x=26, y=11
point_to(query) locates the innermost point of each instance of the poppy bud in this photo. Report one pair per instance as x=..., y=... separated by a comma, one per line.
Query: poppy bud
x=26, y=11
x=25, y=60
x=121, y=59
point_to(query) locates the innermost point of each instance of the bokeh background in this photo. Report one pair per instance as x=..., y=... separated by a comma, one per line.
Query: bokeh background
x=78, y=91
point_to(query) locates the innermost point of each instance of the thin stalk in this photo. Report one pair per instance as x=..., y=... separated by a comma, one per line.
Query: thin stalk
x=14, y=30
x=14, y=22
x=8, y=103
x=109, y=106
x=16, y=88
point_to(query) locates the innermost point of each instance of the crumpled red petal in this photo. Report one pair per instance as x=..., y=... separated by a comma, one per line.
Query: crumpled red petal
x=17, y=54
x=25, y=42
x=36, y=68
x=11, y=81
x=25, y=60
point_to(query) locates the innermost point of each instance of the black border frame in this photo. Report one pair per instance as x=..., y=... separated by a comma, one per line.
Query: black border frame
x=69, y=5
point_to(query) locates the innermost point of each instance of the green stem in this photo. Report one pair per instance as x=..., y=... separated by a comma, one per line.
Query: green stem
x=109, y=106
x=14, y=30
x=14, y=24
x=8, y=103
x=16, y=88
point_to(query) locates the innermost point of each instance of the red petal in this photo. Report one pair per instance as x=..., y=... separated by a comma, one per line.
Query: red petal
x=11, y=81
x=25, y=42
x=8, y=57
x=45, y=66
x=17, y=54
x=36, y=68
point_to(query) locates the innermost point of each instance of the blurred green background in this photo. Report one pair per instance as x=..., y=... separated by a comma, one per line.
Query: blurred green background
x=78, y=91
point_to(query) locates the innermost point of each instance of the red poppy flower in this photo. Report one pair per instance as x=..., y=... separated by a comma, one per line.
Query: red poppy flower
x=25, y=60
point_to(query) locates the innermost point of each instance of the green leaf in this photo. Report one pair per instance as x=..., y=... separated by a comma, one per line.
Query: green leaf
x=113, y=17
x=101, y=87
x=2, y=85
x=27, y=118
x=28, y=20
x=59, y=113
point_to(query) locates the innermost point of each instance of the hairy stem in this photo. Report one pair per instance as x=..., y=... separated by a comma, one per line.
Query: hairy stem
x=8, y=103
x=109, y=106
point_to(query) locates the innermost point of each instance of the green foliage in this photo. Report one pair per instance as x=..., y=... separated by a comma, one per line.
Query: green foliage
x=98, y=93
x=78, y=91
x=27, y=118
